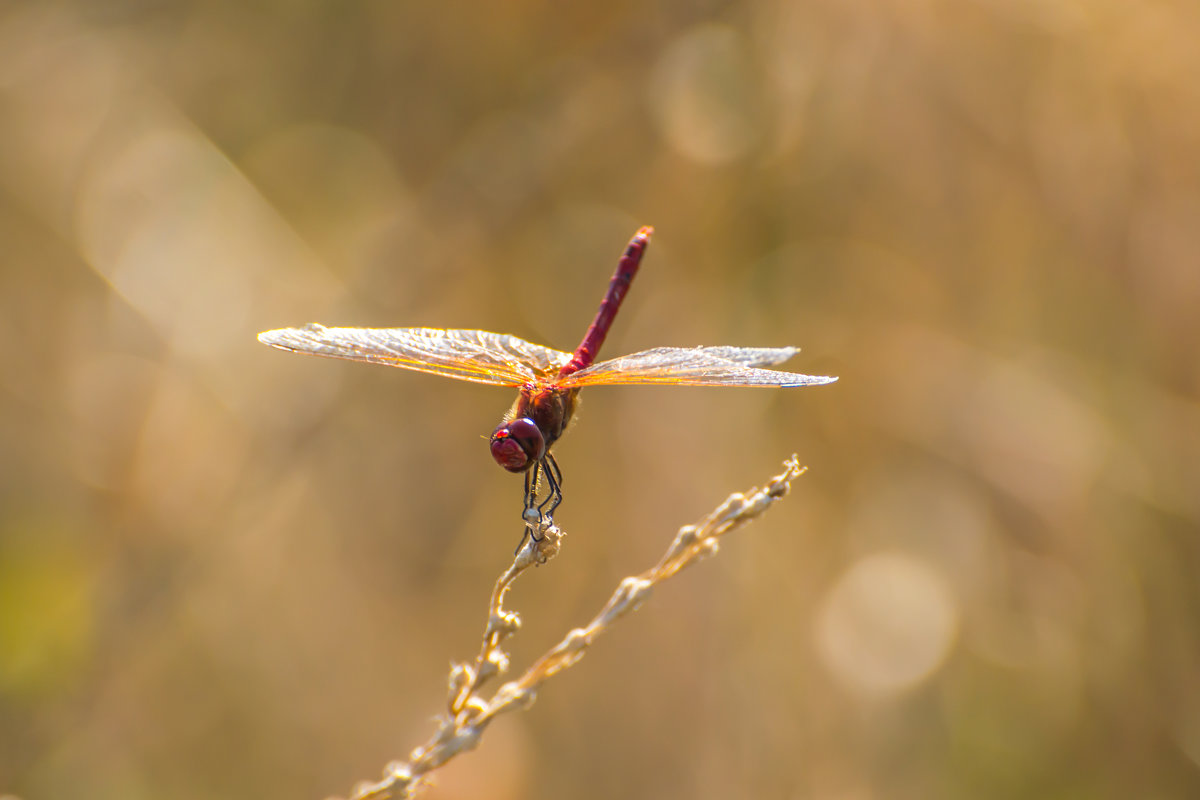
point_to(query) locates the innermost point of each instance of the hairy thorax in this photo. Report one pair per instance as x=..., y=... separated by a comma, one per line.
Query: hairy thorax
x=549, y=408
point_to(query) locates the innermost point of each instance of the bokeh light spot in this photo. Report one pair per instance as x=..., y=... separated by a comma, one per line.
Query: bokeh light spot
x=886, y=625
x=703, y=95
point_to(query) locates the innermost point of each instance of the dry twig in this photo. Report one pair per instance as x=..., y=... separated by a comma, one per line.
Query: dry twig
x=469, y=713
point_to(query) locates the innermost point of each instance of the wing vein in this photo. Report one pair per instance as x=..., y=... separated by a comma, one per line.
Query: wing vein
x=469, y=355
x=697, y=366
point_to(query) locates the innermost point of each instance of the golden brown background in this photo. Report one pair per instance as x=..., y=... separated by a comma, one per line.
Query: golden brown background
x=231, y=572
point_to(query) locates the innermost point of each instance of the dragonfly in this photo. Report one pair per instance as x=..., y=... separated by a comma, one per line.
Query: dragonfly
x=548, y=381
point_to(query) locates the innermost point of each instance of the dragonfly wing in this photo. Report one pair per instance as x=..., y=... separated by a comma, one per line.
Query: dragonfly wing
x=468, y=355
x=696, y=366
x=747, y=356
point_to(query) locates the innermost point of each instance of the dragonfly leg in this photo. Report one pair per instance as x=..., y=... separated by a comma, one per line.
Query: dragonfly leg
x=520, y=544
x=554, y=478
x=531, y=513
x=534, y=512
x=530, y=489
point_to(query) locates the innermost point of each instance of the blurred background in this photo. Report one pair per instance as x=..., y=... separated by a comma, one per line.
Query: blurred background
x=228, y=571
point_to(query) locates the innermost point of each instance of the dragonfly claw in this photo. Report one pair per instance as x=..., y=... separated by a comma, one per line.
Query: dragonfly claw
x=540, y=534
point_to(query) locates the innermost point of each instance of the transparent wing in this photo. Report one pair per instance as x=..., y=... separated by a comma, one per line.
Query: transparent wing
x=477, y=356
x=696, y=366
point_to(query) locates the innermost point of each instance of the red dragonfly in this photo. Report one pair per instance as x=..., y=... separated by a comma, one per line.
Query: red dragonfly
x=548, y=380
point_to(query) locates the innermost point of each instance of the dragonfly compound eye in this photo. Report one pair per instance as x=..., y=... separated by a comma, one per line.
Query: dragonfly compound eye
x=518, y=445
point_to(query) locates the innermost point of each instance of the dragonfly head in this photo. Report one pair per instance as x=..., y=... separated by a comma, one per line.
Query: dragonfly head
x=518, y=445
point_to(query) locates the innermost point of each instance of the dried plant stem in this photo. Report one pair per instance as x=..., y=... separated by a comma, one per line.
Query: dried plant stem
x=468, y=713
